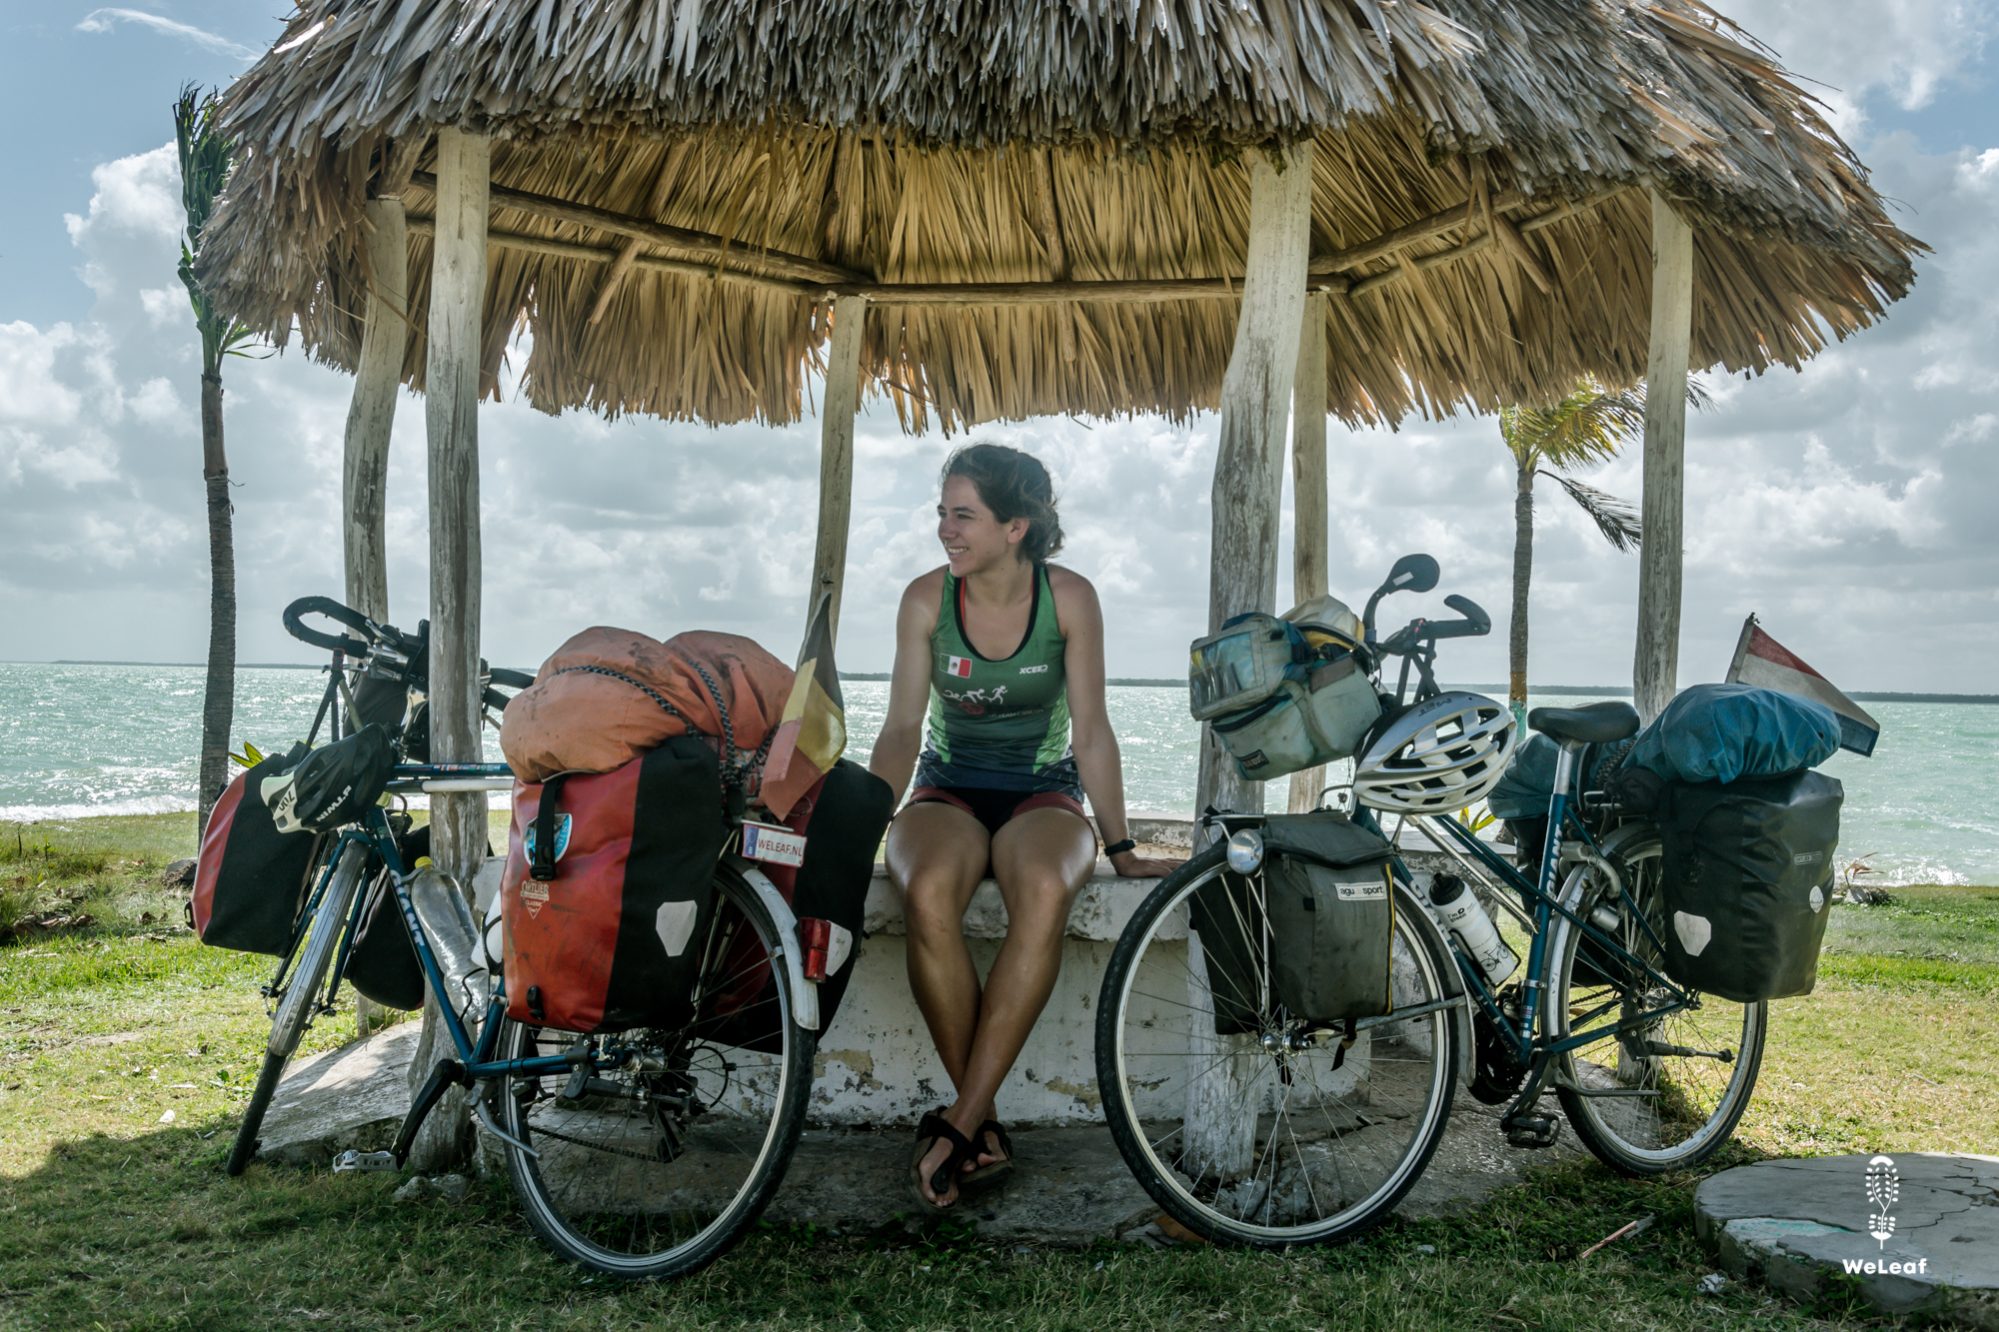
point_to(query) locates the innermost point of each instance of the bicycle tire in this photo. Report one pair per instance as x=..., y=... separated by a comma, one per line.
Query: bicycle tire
x=624, y=1188
x=1653, y=1110
x=1411, y=1073
x=314, y=951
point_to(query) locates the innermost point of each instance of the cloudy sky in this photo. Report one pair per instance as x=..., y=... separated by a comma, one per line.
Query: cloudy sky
x=1852, y=506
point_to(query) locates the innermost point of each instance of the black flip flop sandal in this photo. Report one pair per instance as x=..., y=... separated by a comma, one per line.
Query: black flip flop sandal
x=932, y=1127
x=995, y=1171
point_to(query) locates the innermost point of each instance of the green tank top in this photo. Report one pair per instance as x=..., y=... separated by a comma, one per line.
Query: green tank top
x=999, y=724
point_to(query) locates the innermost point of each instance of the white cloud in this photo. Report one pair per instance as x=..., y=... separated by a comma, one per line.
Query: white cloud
x=105, y=20
x=29, y=388
x=1904, y=50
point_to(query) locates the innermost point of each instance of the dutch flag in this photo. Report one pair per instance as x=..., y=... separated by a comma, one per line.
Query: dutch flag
x=1762, y=660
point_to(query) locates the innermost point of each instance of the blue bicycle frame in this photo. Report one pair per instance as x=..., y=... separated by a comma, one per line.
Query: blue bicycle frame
x=1546, y=905
x=374, y=837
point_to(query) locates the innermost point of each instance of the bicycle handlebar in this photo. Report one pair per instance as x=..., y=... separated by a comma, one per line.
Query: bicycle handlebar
x=1475, y=623
x=332, y=610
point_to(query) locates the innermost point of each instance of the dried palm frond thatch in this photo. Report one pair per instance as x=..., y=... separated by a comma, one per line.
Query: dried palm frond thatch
x=680, y=185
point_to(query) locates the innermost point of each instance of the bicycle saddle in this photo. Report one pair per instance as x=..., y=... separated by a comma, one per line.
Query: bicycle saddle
x=1596, y=724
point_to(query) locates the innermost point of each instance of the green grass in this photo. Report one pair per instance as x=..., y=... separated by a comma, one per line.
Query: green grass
x=126, y=1052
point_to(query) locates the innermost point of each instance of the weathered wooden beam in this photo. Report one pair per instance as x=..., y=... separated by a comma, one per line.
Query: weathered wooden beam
x=451, y=421
x=371, y=414
x=1256, y=404
x=1309, y=533
x=710, y=248
x=1662, y=509
x=837, y=409
x=1131, y=290
x=1514, y=243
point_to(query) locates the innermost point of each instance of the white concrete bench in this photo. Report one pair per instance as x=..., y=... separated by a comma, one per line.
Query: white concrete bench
x=875, y=1063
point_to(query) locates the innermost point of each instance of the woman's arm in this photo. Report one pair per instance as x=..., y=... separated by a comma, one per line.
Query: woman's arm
x=894, y=756
x=1097, y=759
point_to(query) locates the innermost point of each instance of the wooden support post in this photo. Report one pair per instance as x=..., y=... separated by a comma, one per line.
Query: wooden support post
x=1308, y=493
x=370, y=417
x=457, y=303
x=837, y=408
x=1256, y=403
x=384, y=341
x=1662, y=510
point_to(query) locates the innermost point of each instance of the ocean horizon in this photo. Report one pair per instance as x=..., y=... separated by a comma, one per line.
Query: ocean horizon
x=81, y=740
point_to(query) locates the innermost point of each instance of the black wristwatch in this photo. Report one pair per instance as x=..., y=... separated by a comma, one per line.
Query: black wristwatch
x=1119, y=848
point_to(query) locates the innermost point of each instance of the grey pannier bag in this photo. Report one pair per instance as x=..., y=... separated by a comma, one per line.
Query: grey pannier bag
x=1284, y=692
x=1307, y=936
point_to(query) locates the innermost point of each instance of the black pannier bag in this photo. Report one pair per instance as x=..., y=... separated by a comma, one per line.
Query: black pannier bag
x=250, y=879
x=842, y=820
x=1748, y=883
x=1310, y=932
x=382, y=962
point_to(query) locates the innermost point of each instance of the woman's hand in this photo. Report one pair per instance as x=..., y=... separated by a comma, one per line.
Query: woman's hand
x=1131, y=865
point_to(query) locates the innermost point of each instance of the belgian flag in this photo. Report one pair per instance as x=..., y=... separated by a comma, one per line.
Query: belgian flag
x=812, y=733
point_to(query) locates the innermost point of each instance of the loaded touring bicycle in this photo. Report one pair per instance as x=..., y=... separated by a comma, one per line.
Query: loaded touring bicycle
x=639, y=1143
x=1285, y=1020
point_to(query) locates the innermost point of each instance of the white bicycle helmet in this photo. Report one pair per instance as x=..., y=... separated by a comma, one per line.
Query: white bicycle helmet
x=1436, y=757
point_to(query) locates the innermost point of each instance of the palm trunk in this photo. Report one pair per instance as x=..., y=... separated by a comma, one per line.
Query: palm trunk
x=218, y=703
x=1523, y=574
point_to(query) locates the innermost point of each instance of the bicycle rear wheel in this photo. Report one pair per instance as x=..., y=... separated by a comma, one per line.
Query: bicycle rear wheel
x=653, y=1165
x=1667, y=1092
x=295, y=1000
x=1276, y=1136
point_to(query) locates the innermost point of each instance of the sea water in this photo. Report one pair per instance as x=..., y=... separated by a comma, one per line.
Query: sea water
x=78, y=740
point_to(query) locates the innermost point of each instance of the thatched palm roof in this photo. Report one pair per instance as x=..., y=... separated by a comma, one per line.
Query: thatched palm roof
x=903, y=148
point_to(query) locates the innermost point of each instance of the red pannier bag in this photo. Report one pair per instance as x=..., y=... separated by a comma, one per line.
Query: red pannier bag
x=842, y=819
x=250, y=879
x=598, y=926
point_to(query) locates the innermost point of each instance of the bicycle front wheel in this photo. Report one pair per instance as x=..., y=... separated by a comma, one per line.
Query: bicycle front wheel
x=655, y=1158
x=1666, y=1091
x=1277, y=1135
x=295, y=1001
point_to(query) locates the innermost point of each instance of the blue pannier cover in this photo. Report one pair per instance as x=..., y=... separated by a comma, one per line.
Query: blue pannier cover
x=1724, y=732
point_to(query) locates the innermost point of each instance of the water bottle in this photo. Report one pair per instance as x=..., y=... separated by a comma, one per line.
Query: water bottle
x=1459, y=912
x=454, y=940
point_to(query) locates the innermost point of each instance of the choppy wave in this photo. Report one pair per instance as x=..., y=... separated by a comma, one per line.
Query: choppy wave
x=164, y=804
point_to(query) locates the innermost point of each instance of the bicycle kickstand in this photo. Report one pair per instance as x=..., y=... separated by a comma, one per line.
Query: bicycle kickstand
x=1524, y=1123
x=444, y=1075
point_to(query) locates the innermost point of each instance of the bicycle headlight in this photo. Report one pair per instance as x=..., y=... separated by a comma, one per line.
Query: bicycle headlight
x=1245, y=853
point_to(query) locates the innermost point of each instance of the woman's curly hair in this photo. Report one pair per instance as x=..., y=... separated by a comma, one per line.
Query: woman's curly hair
x=1013, y=485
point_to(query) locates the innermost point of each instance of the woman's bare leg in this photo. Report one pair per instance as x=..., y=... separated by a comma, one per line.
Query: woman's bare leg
x=936, y=856
x=1041, y=860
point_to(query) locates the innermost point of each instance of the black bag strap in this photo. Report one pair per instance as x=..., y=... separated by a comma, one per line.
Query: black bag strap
x=735, y=774
x=541, y=865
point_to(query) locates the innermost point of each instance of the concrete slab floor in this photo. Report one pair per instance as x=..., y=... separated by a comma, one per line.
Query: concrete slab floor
x=1070, y=1186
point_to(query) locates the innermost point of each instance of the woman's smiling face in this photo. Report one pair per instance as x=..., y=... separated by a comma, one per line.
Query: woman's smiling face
x=972, y=538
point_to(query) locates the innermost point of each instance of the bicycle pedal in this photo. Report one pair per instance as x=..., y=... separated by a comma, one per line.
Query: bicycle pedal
x=1531, y=1130
x=352, y=1160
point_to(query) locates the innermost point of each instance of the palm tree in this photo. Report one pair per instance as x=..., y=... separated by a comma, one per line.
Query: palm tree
x=1587, y=426
x=204, y=166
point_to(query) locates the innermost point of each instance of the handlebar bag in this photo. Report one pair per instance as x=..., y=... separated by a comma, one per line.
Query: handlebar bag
x=607, y=897
x=843, y=819
x=1319, y=714
x=1242, y=666
x=1748, y=883
x=1307, y=936
x=250, y=880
